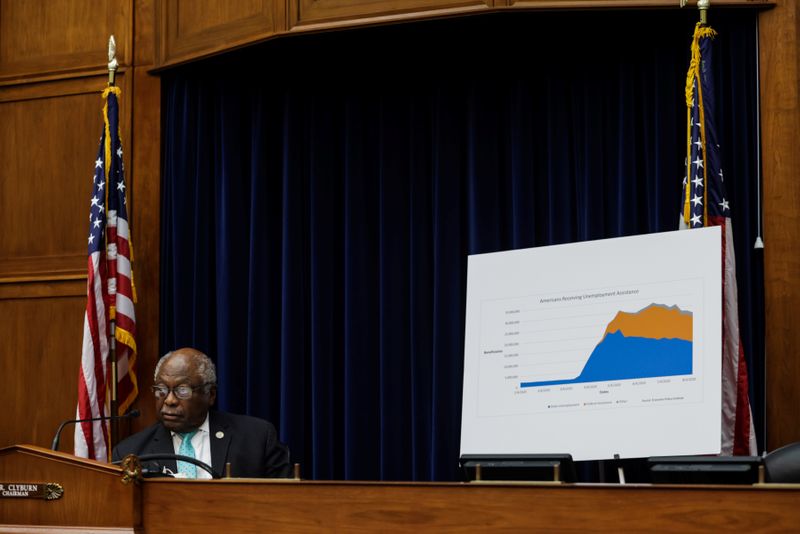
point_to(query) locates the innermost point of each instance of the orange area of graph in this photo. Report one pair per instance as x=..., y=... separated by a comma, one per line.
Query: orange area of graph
x=655, y=321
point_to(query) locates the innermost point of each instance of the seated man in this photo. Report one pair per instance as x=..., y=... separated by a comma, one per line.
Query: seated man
x=185, y=387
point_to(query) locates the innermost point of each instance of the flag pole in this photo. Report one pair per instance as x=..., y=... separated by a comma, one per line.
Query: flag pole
x=112, y=352
x=703, y=6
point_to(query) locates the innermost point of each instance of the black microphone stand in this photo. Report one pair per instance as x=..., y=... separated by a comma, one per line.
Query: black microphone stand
x=57, y=437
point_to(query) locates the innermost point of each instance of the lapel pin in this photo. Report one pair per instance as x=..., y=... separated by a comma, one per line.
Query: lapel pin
x=220, y=434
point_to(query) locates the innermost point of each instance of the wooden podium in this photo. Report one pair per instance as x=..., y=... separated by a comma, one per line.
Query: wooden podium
x=421, y=507
x=93, y=497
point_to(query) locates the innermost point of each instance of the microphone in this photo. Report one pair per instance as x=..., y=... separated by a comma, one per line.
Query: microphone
x=168, y=456
x=54, y=446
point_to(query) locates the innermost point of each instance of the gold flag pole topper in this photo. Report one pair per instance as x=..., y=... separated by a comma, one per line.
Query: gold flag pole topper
x=112, y=60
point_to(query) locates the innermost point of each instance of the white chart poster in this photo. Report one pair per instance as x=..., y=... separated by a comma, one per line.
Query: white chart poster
x=595, y=348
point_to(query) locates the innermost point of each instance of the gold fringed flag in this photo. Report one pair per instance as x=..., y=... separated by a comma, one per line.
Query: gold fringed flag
x=705, y=204
x=110, y=293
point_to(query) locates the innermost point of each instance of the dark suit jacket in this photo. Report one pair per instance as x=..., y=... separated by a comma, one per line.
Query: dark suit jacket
x=250, y=444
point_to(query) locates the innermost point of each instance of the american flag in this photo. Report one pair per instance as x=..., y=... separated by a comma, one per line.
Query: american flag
x=110, y=293
x=705, y=204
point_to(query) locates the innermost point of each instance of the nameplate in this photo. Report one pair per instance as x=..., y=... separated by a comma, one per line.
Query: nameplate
x=48, y=491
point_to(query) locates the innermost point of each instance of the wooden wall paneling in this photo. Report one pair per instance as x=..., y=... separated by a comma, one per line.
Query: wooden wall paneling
x=52, y=38
x=145, y=188
x=145, y=183
x=49, y=134
x=144, y=35
x=39, y=359
x=780, y=129
x=187, y=29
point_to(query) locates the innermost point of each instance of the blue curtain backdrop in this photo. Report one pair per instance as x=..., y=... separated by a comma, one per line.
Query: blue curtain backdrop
x=321, y=194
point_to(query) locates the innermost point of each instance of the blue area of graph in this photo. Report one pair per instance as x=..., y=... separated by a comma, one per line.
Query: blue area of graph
x=625, y=358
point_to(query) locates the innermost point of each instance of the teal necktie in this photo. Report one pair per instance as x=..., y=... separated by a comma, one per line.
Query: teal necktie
x=187, y=449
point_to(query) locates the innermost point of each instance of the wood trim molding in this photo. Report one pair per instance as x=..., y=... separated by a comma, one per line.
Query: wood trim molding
x=347, y=13
x=43, y=268
x=629, y=4
x=225, y=31
x=44, y=288
x=58, y=85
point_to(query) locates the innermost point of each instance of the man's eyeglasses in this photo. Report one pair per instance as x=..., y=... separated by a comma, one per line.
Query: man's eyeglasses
x=183, y=391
